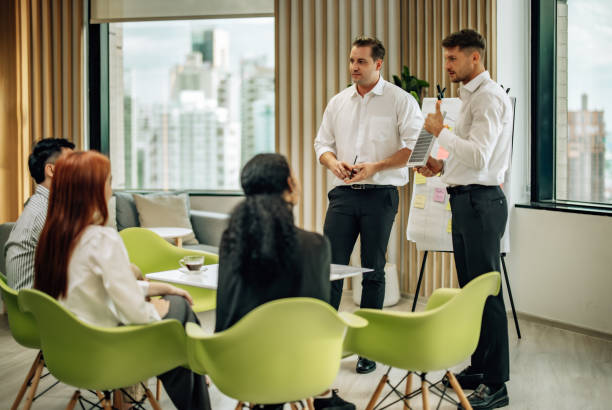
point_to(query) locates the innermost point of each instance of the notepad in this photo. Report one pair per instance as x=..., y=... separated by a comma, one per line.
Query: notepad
x=422, y=149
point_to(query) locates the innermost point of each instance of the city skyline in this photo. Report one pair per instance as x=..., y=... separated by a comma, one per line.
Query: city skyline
x=199, y=108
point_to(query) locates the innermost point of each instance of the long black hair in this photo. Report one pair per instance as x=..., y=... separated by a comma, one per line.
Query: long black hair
x=260, y=240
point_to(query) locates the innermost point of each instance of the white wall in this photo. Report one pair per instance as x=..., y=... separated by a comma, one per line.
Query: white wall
x=561, y=267
x=560, y=263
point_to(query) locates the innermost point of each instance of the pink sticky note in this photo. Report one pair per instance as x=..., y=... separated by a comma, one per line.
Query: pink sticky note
x=439, y=195
x=442, y=153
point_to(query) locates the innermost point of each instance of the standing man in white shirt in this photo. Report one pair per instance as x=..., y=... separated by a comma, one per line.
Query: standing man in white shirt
x=366, y=136
x=479, y=154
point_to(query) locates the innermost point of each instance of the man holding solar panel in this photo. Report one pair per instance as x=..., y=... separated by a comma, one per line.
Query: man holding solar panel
x=366, y=136
x=479, y=154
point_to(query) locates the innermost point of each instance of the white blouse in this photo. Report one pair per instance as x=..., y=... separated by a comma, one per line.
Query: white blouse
x=102, y=289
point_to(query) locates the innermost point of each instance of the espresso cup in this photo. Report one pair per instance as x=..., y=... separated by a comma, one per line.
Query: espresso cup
x=192, y=263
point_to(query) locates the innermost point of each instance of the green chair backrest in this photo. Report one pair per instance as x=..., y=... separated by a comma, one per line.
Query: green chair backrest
x=442, y=336
x=99, y=358
x=284, y=350
x=151, y=253
x=22, y=324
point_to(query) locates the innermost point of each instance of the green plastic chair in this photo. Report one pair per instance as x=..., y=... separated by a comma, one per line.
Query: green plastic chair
x=283, y=351
x=103, y=359
x=442, y=336
x=24, y=331
x=151, y=253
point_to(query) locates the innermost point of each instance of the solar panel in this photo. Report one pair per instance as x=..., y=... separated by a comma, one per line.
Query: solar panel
x=422, y=148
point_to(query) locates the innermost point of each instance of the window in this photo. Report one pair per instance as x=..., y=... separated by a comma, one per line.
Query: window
x=584, y=107
x=571, y=113
x=190, y=101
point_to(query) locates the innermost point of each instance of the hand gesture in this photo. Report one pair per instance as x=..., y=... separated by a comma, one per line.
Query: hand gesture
x=342, y=170
x=434, y=123
x=432, y=168
x=362, y=171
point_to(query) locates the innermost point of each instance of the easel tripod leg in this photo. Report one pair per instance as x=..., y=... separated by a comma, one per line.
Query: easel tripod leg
x=418, y=289
x=516, y=324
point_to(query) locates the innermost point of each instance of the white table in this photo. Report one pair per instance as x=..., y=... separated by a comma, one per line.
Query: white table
x=208, y=279
x=175, y=233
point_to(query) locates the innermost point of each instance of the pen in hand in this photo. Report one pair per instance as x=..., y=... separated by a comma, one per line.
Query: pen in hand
x=353, y=172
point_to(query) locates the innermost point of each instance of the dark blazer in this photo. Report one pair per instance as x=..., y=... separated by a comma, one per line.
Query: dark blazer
x=236, y=297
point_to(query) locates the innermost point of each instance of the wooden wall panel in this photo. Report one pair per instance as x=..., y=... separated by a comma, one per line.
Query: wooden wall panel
x=45, y=50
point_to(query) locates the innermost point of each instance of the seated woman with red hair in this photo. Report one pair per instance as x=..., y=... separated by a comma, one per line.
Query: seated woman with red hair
x=85, y=266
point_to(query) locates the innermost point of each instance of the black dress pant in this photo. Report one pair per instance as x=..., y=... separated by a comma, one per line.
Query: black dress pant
x=186, y=389
x=368, y=212
x=479, y=219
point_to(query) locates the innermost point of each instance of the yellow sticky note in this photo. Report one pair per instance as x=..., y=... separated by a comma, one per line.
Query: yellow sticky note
x=449, y=227
x=419, y=179
x=448, y=206
x=419, y=201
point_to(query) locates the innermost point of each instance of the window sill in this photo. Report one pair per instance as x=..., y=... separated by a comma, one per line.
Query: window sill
x=572, y=208
x=183, y=191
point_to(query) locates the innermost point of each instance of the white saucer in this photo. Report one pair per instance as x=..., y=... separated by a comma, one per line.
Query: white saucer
x=182, y=269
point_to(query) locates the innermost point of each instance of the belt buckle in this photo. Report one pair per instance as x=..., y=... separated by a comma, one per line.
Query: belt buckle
x=358, y=186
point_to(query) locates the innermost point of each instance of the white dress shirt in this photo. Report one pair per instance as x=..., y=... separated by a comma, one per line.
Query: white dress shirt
x=480, y=145
x=102, y=289
x=371, y=128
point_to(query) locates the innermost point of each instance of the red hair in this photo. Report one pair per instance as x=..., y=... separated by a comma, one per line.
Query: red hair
x=76, y=198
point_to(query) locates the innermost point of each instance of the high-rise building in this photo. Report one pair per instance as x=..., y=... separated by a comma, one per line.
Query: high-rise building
x=256, y=108
x=213, y=45
x=586, y=154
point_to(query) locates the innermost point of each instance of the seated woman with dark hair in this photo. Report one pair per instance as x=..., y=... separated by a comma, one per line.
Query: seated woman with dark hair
x=263, y=256
x=85, y=266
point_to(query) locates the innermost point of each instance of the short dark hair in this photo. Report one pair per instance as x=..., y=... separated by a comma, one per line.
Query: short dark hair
x=378, y=50
x=46, y=151
x=466, y=39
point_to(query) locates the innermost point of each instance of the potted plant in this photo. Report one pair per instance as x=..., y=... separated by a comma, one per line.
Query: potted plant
x=410, y=84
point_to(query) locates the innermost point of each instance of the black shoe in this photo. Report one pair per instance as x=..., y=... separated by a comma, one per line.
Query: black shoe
x=468, y=379
x=365, y=365
x=484, y=399
x=334, y=402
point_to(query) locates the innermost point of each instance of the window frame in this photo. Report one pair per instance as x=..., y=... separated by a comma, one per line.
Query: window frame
x=543, y=116
x=99, y=100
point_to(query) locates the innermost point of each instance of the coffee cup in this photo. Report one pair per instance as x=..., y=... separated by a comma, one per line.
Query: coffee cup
x=192, y=263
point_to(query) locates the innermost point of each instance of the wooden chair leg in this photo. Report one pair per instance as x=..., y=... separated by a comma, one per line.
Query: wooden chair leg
x=293, y=406
x=458, y=390
x=425, y=393
x=27, y=380
x=310, y=403
x=118, y=399
x=158, y=392
x=34, y=386
x=73, y=400
x=239, y=406
x=377, y=392
x=152, y=400
x=408, y=390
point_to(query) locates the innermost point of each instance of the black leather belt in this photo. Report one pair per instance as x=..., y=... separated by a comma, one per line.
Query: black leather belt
x=365, y=186
x=462, y=189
